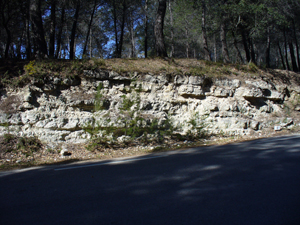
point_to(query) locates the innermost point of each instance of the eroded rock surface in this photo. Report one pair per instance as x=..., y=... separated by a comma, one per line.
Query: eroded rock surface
x=60, y=110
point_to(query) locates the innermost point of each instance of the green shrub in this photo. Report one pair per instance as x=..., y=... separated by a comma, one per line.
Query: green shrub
x=99, y=98
x=31, y=68
x=127, y=103
x=134, y=128
x=197, y=125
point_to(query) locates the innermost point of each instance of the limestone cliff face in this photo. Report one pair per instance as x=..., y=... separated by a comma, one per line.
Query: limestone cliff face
x=59, y=109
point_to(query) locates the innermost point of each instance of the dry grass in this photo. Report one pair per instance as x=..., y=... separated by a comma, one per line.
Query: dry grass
x=156, y=66
x=18, y=73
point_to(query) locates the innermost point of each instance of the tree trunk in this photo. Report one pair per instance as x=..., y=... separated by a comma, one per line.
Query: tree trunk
x=146, y=29
x=52, y=29
x=224, y=44
x=119, y=42
x=205, y=45
x=281, y=56
x=286, y=51
x=38, y=29
x=8, y=42
x=294, y=63
x=297, y=46
x=89, y=29
x=73, y=32
x=268, y=49
x=215, y=49
x=1, y=49
x=245, y=43
x=172, y=30
x=119, y=53
x=159, y=29
x=132, y=41
x=20, y=43
x=59, y=36
x=253, y=58
x=28, y=42
x=187, y=45
x=237, y=48
x=91, y=49
x=115, y=27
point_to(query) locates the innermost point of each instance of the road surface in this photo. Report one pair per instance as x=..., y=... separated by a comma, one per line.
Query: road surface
x=250, y=183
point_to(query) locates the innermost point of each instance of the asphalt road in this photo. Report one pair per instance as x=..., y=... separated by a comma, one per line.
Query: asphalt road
x=256, y=182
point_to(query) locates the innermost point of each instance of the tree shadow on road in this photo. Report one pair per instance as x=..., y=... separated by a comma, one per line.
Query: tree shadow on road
x=254, y=182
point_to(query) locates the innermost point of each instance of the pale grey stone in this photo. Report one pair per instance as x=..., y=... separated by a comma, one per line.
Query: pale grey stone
x=196, y=80
x=65, y=152
x=222, y=92
x=276, y=96
x=255, y=125
x=181, y=79
x=253, y=93
x=261, y=84
x=123, y=139
x=106, y=84
x=51, y=125
x=72, y=124
x=15, y=119
x=27, y=96
x=228, y=83
x=57, y=81
x=288, y=122
x=41, y=124
x=190, y=90
x=26, y=106
x=277, y=128
x=3, y=118
x=217, y=104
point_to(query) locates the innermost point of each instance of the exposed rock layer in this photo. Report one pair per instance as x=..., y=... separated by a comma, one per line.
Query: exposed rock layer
x=58, y=110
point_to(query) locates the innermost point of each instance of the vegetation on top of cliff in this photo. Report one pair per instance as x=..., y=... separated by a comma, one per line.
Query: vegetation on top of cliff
x=20, y=73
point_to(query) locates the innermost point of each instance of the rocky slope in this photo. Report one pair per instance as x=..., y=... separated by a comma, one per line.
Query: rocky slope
x=61, y=110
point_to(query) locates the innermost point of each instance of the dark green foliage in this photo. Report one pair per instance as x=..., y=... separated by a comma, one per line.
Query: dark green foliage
x=197, y=130
x=127, y=103
x=99, y=101
x=253, y=30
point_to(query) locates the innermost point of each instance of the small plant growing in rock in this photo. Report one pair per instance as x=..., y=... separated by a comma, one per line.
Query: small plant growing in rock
x=197, y=125
x=31, y=68
x=127, y=103
x=99, y=98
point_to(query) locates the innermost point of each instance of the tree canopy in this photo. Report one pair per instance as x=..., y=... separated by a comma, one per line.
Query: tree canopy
x=265, y=32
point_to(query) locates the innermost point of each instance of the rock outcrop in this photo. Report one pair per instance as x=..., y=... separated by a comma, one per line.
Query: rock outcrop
x=61, y=109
